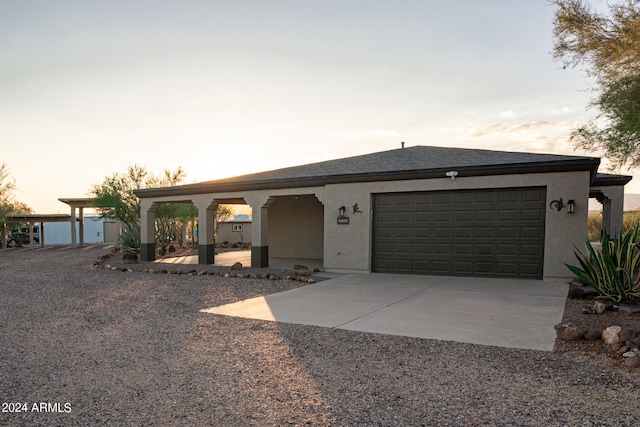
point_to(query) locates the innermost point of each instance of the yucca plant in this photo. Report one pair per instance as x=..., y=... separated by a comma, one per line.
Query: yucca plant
x=614, y=271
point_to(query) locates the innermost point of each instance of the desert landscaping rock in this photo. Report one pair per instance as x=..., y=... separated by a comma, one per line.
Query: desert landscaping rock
x=633, y=361
x=593, y=334
x=134, y=349
x=610, y=335
x=568, y=332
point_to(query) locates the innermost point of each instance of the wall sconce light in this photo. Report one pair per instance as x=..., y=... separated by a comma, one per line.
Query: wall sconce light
x=452, y=174
x=559, y=204
x=342, y=219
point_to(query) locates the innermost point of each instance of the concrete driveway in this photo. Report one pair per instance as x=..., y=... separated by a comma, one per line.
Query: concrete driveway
x=497, y=312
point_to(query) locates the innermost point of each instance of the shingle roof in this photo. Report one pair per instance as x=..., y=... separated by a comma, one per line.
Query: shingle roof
x=403, y=163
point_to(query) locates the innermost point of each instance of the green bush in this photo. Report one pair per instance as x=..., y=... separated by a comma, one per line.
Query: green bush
x=614, y=271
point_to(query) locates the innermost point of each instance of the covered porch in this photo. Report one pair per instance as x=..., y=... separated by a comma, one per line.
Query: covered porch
x=287, y=226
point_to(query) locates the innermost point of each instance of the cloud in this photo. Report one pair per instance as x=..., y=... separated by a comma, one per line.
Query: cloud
x=545, y=136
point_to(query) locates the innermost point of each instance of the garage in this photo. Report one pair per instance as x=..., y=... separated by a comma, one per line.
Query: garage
x=497, y=232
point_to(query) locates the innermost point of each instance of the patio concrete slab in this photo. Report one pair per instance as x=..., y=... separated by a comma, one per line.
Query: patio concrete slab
x=498, y=312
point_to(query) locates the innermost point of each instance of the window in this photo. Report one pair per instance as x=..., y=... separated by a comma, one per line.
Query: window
x=236, y=227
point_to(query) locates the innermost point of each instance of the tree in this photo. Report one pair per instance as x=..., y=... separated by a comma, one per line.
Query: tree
x=608, y=45
x=8, y=205
x=115, y=199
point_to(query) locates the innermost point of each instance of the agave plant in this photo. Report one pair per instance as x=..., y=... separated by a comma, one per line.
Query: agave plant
x=614, y=271
x=130, y=238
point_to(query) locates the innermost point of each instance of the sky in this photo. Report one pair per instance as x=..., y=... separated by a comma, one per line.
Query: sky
x=225, y=88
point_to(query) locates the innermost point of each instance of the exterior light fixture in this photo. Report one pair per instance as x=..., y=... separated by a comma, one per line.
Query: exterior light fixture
x=342, y=219
x=571, y=206
x=452, y=174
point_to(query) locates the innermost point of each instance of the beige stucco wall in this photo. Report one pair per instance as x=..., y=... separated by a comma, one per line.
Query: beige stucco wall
x=348, y=247
x=314, y=231
x=296, y=227
x=226, y=233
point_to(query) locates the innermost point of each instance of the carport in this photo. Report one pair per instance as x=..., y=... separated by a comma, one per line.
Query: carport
x=31, y=220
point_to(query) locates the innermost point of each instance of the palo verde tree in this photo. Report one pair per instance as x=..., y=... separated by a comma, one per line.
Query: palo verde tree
x=608, y=46
x=115, y=199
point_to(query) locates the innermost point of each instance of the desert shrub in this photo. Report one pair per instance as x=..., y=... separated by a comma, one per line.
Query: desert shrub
x=594, y=226
x=614, y=271
x=630, y=220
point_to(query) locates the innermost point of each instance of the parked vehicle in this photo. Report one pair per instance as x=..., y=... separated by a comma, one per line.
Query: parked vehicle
x=19, y=238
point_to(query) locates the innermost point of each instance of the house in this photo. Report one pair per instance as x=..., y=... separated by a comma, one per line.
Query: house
x=235, y=230
x=418, y=210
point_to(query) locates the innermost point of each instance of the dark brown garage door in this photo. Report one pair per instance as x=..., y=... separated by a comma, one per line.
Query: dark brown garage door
x=487, y=232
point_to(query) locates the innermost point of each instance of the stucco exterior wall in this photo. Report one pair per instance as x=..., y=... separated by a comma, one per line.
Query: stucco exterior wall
x=226, y=233
x=310, y=229
x=348, y=247
x=296, y=227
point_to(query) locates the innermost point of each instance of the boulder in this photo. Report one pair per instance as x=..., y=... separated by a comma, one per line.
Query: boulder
x=568, y=332
x=628, y=311
x=237, y=266
x=599, y=307
x=301, y=270
x=593, y=334
x=129, y=258
x=610, y=335
x=626, y=334
x=633, y=362
x=171, y=248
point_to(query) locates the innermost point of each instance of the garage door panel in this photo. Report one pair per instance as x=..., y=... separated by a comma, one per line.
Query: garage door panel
x=535, y=215
x=484, y=232
x=507, y=233
x=463, y=233
x=422, y=217
x=421, y=232
x=485, y=198
x=486, y=216
x=508, y=215
x=532, y=232
x=508, y=196
x=463, y=216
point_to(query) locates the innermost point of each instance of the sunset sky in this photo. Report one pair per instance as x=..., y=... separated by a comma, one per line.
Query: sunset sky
x=224, y=88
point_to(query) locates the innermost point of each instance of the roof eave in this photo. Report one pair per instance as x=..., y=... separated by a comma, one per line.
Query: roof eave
x=580, y=164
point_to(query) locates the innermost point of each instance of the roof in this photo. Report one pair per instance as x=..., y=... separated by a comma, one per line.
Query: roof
x=38, y=218
x=418, y=162
x=606, y=179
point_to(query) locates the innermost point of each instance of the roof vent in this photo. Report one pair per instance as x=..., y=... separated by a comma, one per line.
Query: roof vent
x=402, y=144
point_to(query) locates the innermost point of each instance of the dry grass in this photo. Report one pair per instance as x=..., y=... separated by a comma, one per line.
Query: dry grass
x=594, y=223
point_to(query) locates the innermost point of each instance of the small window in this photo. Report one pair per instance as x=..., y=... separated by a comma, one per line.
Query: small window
x=237, y=227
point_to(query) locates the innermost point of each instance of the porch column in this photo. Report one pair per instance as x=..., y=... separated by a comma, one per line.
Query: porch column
x=81, y=212
x=259, y=229
x=42, y=234
x=147, y=230
x=612, y=199
x=206, y=231
x=73, y=227
x=31, y=236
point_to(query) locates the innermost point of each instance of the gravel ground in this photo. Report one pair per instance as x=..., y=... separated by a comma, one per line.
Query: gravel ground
x=103, y=347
